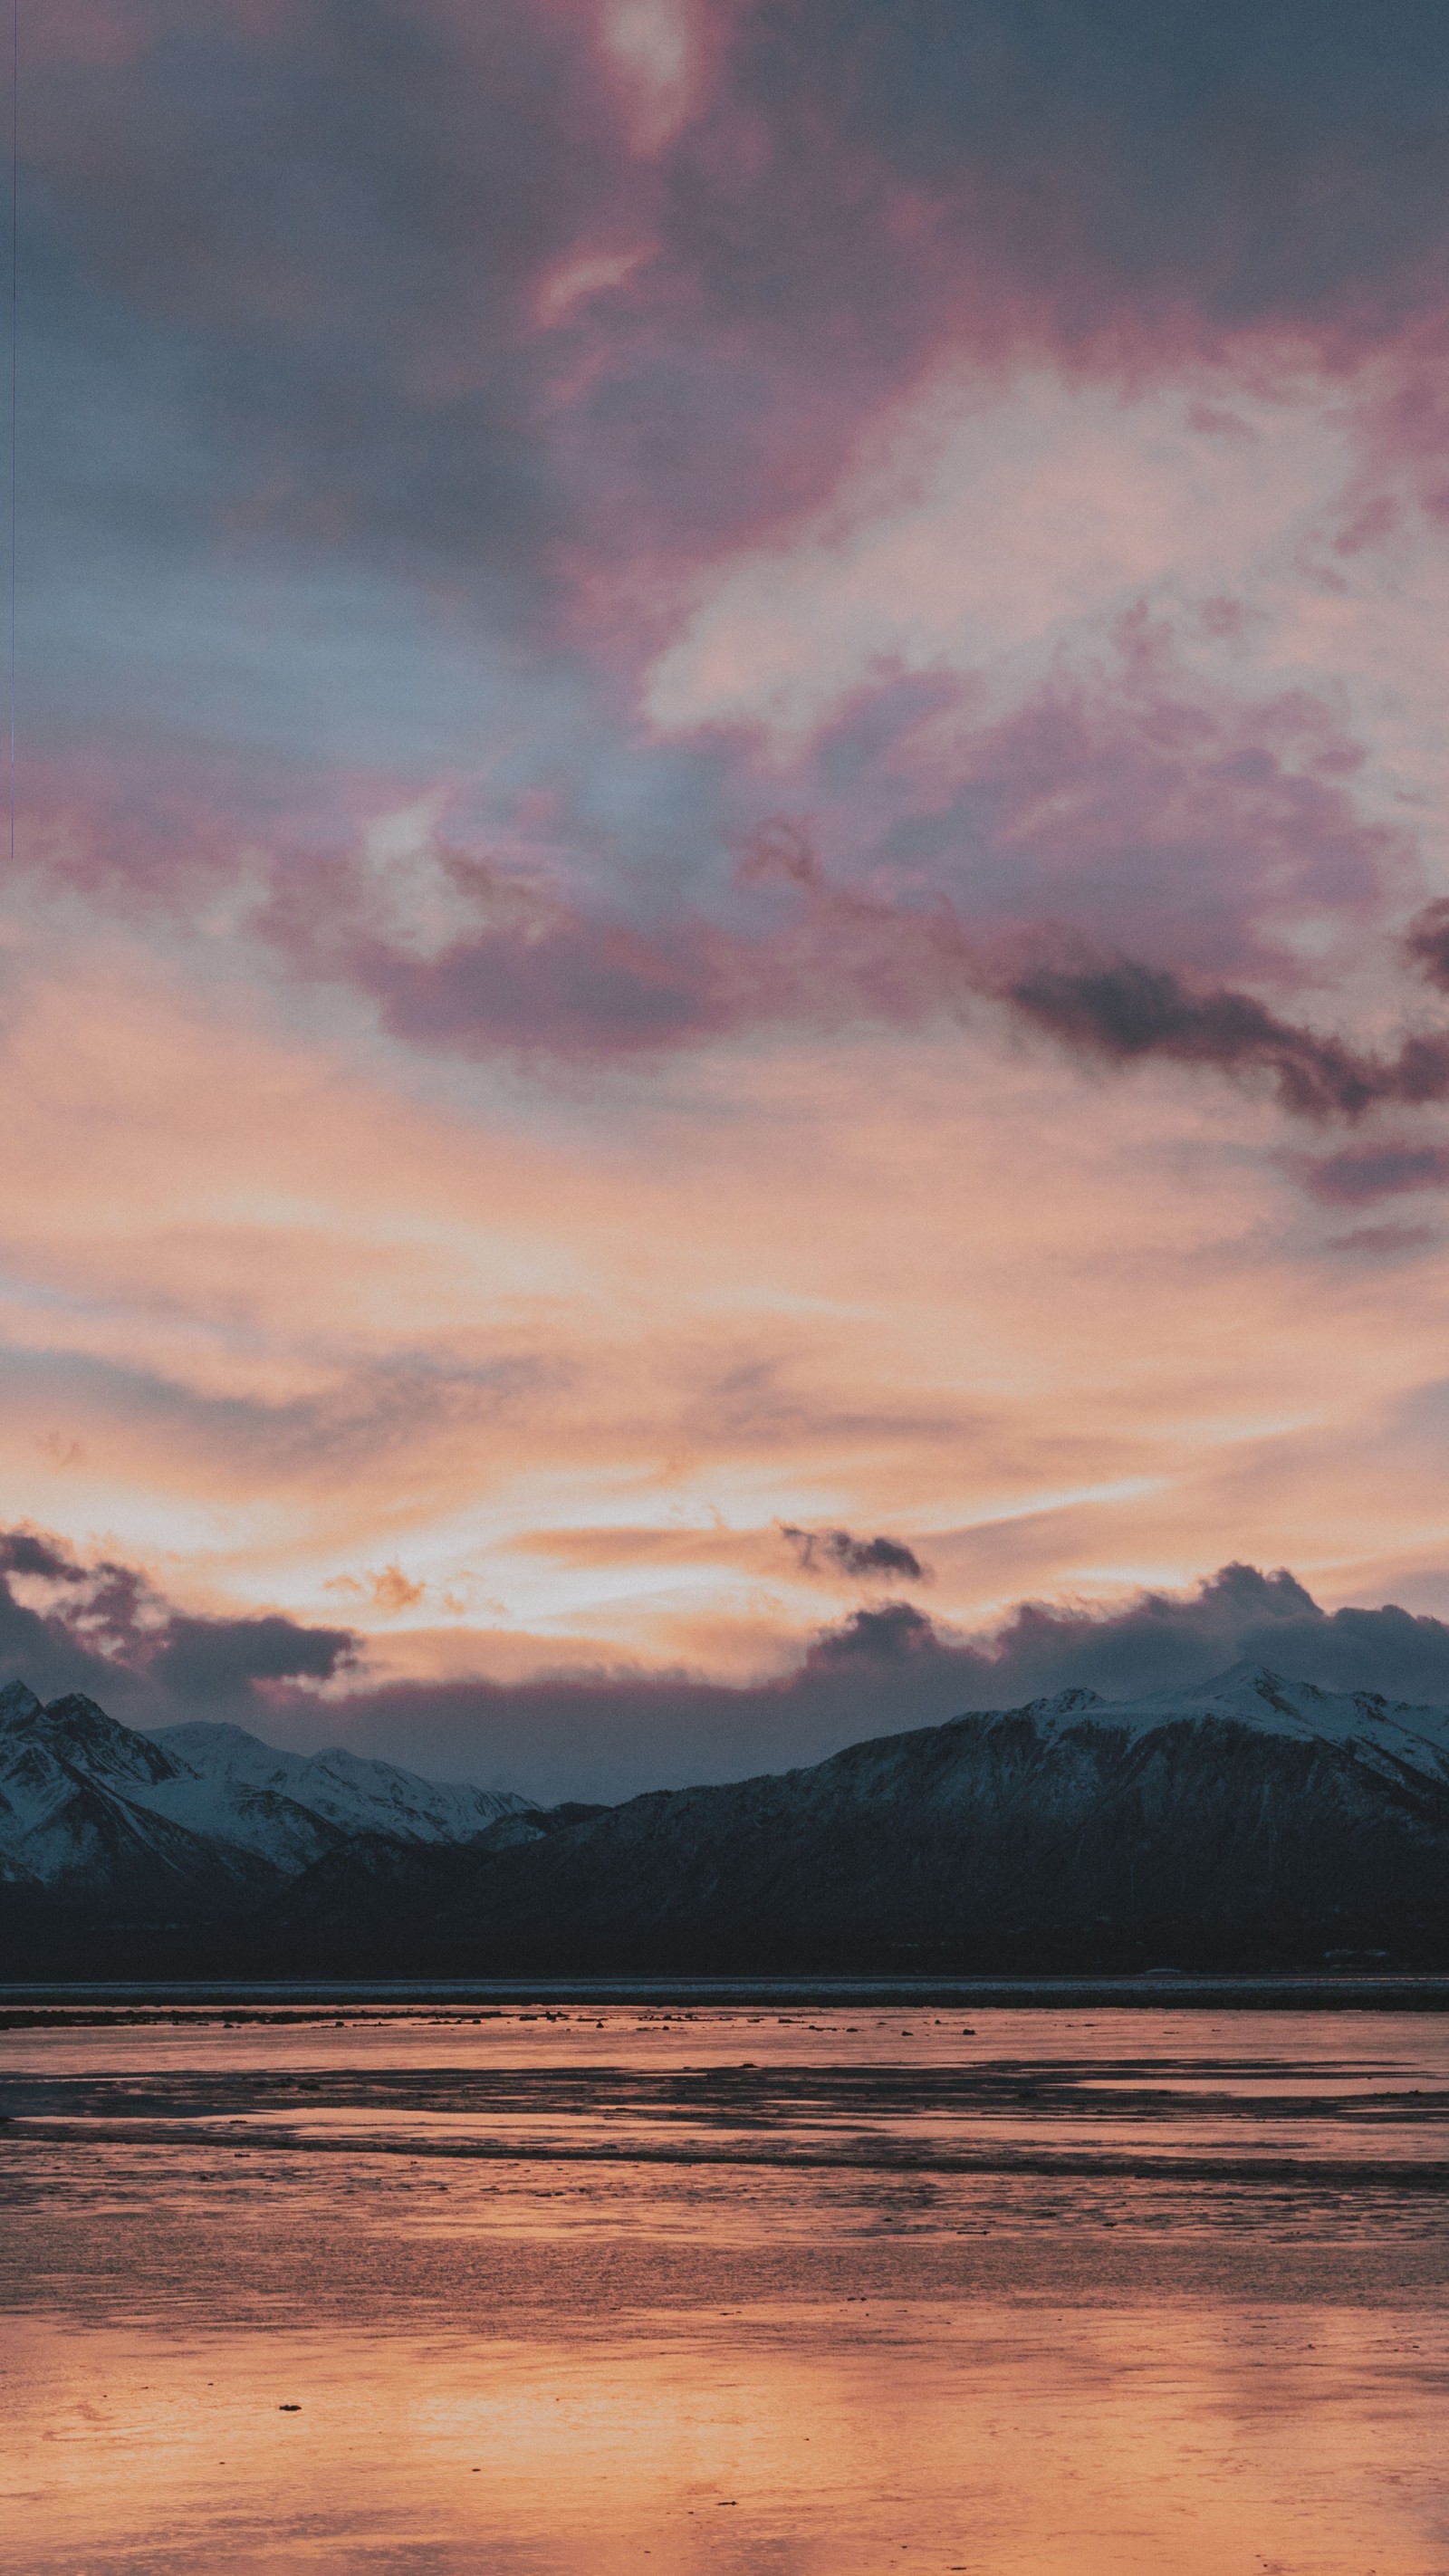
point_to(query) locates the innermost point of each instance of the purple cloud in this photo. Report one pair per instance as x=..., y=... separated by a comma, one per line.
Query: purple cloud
x=838, y=1551
x=881, y=1672
x=106, y=1630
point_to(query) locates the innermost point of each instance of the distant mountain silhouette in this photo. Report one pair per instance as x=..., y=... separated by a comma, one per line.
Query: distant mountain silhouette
x=1253, y=1822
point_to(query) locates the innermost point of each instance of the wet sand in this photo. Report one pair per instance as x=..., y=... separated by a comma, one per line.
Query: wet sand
x=833, y=2289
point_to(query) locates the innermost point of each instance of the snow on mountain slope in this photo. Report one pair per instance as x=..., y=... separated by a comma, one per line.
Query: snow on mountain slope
x=277, y=1829
x=1249, y=1818
x=109, y=1756
x=359, y=1795
x=1389, y=1735
x=91, y=1808
x=84, y=1804
x=1246, y=1822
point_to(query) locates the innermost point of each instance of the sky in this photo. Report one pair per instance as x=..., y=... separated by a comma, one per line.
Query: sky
x=725, y=987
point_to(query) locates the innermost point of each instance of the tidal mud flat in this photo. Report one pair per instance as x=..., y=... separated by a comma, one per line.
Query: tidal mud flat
x=794, y=2285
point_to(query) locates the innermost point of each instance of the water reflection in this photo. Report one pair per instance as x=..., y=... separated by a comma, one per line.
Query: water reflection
x=1181, y=2353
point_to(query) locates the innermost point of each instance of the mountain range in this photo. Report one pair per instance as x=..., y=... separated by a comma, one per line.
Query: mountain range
x=1249, y=1822
x=193, y=1819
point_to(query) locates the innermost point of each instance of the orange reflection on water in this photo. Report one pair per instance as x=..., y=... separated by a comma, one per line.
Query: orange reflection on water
x=264, y=2355
x=1008, y=2441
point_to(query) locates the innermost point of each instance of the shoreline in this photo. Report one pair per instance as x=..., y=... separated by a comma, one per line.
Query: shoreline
x=22, y=2001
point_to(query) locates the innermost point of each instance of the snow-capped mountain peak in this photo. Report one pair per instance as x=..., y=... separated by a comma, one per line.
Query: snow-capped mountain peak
x=348, y=1789
x=90, y=1805
x=1381, y=1731
x=1066, y=1704
x=75, y=1729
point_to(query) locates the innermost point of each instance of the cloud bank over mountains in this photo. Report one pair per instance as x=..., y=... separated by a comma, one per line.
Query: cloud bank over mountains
x=106, y=1631
x=104, y=1626
x=884, y=1669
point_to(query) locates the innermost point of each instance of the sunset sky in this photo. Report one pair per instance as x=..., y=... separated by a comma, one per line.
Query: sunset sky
x=730, y=934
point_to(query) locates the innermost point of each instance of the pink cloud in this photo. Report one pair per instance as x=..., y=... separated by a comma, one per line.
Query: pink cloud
x=1090, y=865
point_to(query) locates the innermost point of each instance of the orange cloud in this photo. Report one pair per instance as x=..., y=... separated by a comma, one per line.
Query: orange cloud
x=290, y=1315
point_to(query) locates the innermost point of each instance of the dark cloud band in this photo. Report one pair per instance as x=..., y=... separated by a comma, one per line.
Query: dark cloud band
x=610, y=1734
x=1123, y=1012
x=104, y=1629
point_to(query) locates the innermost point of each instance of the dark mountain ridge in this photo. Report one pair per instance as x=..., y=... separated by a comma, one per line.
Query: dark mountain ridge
x=1252, y=1823
x=1067, y=1835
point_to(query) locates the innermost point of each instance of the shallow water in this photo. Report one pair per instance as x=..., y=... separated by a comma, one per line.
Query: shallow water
x=1024, y=2292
